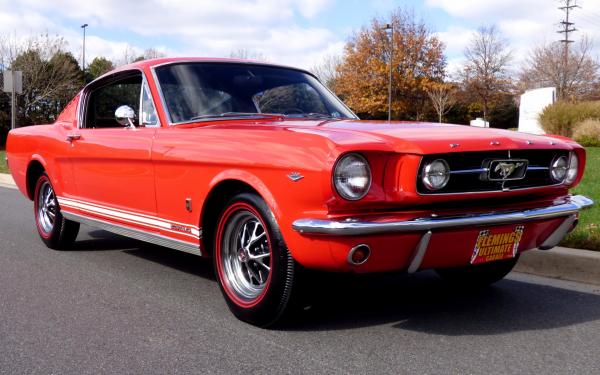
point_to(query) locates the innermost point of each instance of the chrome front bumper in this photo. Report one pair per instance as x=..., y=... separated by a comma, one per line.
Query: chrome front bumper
x=569, y=207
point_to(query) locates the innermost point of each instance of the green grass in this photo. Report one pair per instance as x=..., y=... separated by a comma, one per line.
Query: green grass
x=3, y=167
x=587, y=234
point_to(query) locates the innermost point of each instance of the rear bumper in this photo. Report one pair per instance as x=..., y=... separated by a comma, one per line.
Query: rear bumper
x=349, y=227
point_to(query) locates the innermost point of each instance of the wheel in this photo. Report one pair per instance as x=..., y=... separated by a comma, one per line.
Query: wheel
x=479, y=275
x=255, y=270
x=57, y=232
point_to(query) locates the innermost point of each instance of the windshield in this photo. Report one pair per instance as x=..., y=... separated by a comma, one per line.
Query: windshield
x=195, y=91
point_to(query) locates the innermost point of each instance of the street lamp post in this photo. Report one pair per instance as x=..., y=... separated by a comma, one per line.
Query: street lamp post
x=390, y=27
x=83, y=53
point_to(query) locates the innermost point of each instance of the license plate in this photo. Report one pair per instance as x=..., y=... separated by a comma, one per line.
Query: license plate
x=492, y=245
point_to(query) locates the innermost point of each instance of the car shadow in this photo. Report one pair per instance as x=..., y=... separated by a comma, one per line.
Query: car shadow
x=100, y=240
x=424, y=303
x=178, y=260
x=419, y=302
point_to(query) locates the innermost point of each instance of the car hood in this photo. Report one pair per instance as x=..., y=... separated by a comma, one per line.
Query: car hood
x=428, y=138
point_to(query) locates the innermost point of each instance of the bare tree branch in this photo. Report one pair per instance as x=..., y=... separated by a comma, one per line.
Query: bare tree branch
x=546, y=67
x=486, y=70
x=442, y=98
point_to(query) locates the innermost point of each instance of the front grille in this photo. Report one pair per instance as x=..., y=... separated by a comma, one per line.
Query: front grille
x=468, y=170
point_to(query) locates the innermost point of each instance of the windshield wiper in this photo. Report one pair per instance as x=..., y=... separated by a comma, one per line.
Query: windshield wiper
x=313, y=115
x=236, y=115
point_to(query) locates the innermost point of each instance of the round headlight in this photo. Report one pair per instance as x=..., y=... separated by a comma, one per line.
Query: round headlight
x=436, y=174
x=558, y=169
x=573, y=167
x=352, y=177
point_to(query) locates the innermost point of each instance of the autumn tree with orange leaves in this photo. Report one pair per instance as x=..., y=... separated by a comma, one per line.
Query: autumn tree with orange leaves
x=417, y=62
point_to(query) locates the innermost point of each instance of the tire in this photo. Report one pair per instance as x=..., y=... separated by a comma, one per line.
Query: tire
x=255, y=270
x=57, y=232
x=478, y=276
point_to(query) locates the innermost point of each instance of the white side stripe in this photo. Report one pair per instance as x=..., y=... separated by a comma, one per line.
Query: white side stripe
x=124, y=211
x=133, y=218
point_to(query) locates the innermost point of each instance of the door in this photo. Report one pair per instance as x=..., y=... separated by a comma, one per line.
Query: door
x=112, y=163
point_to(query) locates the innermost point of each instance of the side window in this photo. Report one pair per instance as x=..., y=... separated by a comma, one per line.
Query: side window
x=148, y=115
x=103, y=101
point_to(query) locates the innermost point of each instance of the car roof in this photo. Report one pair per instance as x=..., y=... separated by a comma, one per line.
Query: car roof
x=170, y=60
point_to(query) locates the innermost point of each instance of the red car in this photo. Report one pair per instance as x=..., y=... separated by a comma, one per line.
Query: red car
x=263, y=169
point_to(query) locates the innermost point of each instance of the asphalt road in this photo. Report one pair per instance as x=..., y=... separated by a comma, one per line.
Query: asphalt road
x=115, y=305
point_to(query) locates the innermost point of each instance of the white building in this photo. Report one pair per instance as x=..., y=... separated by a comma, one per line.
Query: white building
x=532, y=104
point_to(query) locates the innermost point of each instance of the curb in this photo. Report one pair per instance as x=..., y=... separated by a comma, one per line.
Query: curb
x=562, y=263
x=558, y=263
x=7, y=181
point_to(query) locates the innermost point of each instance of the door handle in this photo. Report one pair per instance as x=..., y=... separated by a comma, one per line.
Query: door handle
x=73, y=137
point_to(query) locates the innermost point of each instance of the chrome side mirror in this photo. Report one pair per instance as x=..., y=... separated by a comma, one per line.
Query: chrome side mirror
x=125, y=116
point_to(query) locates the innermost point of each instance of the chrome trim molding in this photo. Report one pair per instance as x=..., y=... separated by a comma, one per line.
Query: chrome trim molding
x=156, y=239
x=486, y=170
x=85, y=91
x=419, y=254
x=559, y=233
x=572, y=205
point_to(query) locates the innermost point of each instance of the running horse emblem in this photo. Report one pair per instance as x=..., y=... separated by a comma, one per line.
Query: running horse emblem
x=506, y=169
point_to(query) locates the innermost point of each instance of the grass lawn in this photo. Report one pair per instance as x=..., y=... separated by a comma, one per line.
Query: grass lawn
x=587, y=234
x=3, y=167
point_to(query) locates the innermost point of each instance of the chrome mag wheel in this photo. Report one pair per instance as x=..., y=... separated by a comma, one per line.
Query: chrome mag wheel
x=47, y=207
x=246, y=255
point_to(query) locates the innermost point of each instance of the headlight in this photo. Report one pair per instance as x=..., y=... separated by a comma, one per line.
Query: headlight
x=558, y=169
x=436, y=174
x=573, y=167
x=352, y=177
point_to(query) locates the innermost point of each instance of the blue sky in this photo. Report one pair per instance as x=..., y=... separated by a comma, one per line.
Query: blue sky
x=295, y=32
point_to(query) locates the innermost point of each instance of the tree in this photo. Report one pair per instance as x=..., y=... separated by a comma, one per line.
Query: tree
x=327, y=70
x=99, y=66
x=442, y=98
x=417, y=60
x=149, y=53
x=244, y=54
x=51, y=76
x=546, y=68
x=486, y=70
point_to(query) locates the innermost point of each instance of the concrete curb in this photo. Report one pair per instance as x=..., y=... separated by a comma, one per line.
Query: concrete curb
x=559, y=263
x=7, y=181
x=562, y=263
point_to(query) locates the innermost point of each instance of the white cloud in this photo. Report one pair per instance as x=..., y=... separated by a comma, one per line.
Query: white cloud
x=524, y=23
x=196, y=27
x=455, y=39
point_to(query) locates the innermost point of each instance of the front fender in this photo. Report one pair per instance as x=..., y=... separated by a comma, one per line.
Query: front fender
x=252, y=180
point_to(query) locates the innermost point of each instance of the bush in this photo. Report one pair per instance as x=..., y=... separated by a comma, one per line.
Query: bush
x=560, y=118
x=587, y=133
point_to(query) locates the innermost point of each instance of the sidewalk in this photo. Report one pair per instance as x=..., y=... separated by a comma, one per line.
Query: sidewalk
x=559, y=263
x=562, y=263
x=7, y=181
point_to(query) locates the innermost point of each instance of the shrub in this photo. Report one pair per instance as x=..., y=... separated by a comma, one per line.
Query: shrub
x=587, y=133
x=560, y=118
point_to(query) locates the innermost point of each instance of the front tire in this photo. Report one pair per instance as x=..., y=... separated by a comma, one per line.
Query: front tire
x=57, y=232
x=480, y=275
x=255, y=270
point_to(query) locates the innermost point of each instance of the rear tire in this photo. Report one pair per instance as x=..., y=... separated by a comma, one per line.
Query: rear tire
x=255, y=270
x=479, y=275
x=57, y=232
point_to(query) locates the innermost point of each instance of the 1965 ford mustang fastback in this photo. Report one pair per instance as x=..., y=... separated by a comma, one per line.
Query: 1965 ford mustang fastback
x=263, y=169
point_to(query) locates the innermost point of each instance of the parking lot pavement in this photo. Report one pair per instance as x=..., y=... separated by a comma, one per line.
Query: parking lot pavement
x=115, y=305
